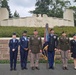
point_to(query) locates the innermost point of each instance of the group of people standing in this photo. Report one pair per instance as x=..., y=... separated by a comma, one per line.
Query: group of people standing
x=33, y=44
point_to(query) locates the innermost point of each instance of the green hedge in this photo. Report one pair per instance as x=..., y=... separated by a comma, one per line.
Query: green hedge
x=69, y=30
x=7, y=31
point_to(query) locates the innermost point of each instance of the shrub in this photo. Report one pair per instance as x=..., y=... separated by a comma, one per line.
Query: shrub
x=6, y=31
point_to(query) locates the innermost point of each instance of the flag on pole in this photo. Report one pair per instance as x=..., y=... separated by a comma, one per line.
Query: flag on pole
x=45, y=45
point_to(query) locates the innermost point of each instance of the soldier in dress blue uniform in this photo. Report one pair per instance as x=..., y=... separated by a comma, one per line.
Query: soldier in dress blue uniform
x=73, y=50
x=24, y=50
x=52, y=44
x=13, y=45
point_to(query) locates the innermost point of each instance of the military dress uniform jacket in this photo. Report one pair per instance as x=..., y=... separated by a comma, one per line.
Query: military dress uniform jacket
x=13, y=45
x=73, y=46
x=35, y=44
x=64, y=43
x=23, y=44
x=52, y=42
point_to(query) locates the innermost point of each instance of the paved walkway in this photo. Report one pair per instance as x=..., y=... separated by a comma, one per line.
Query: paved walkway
x=4, y=70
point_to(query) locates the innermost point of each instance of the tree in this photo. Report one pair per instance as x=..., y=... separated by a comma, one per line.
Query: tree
x=5, y=5
x=42, y=7
x=57, y=8
x=52, y=8
x=16, y=14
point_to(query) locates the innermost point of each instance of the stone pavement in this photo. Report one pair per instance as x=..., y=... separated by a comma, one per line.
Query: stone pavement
x=5, y=70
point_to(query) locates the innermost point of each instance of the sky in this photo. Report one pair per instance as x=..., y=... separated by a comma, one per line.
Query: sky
x=23, y=6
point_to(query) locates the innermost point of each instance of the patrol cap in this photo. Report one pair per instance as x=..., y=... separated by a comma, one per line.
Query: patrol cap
x=14, y=33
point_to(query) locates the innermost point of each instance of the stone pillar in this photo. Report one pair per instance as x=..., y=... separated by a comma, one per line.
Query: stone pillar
x=68, y=15
x=4, y=14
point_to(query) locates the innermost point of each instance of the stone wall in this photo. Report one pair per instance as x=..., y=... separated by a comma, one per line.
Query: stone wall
x=4, y=51
x=40, y=21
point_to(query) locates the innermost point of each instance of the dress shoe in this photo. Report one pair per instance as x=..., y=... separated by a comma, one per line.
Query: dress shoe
x=49, y=68
x=74, y=68
x=52, y=68
x=63, y=68
x=32, y=68
x=22, y=68
x=11, y=69
x=37, y=68
x=15, y=69
x=25, y=68
x=66, y=68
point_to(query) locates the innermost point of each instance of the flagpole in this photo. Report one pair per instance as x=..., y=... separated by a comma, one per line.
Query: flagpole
x=46, y=40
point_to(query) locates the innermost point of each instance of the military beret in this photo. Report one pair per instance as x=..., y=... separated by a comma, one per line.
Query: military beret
x=35, y=30
x=25, y=32
x=51, y=29
x=14, y=33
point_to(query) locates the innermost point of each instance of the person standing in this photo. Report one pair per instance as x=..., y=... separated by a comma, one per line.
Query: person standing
x=64, y=48
x=35, y=47
x=13, y=45
x=73, y=49
x=52, y=44
x=24, y=50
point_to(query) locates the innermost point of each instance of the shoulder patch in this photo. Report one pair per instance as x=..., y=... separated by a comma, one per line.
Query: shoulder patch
x=54, y=37
x=38, y=38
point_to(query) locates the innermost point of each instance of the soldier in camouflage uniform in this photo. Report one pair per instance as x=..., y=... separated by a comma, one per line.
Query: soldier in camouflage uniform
x=64, y=48
x=35, y=47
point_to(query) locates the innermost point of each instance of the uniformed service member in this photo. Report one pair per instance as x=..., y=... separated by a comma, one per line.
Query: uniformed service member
x=52, y=45
x=24, y=50
x=64, y=48
x=35, y=47
x=13, y=45
x=73, y=49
